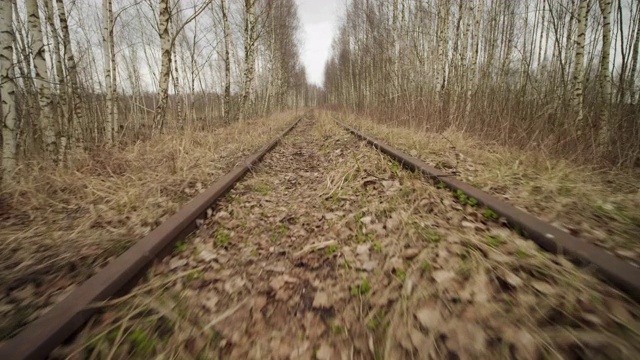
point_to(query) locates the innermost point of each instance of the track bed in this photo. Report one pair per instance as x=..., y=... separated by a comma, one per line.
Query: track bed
x=330, y=250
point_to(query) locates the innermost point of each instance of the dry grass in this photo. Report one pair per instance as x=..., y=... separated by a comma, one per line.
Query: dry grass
x=406, y=271
x=601, y=206
x=58, y=225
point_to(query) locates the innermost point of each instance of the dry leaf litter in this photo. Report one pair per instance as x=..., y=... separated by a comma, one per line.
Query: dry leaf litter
x=600, y=206
x=329, y=250
x=60, y=224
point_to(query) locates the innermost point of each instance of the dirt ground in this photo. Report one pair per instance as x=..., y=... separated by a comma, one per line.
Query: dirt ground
x=329, y=250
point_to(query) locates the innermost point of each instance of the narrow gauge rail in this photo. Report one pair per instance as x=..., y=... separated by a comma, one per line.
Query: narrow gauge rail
x=618, y=272
x=44, y=334
x=39, y=338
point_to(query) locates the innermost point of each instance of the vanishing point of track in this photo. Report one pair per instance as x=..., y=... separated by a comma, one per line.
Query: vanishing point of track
x=43, y=335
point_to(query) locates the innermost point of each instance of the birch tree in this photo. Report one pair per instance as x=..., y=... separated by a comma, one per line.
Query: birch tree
x=41, y=79
x=72, y=73
x=226, y=33
x=108, y=49
x=605, y=76
x=7, y=93
x=250, y=27
x=578, y=72
x=165, y=67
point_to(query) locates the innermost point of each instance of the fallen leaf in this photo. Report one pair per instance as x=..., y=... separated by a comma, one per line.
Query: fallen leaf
x=223, y=215
x=369, y=266
x=418, y=340
x=467, y=340
x=525, y=345
x=442, y=276
x=206, y=255
x=429, y=317
x=321, y=301
x=325, y=352
x=410, y=253
x=235, y=284
x=176, y=263
x=363, y=249
x=512, y=279
x=543, y=287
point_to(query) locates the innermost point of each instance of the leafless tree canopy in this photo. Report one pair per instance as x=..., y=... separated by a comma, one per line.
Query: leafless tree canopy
x=555, y=75
x=97, y=73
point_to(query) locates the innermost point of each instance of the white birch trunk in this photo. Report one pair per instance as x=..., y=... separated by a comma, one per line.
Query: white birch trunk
x=578, y=72
x=605, y=76
x=165, y=65
x=72, y=73
x=7, y=93
x=42, y=81
x=227, y=63
x=249, y=56
x=109, y=74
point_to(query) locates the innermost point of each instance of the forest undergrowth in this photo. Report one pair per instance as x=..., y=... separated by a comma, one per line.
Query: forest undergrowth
x=60, y=224
x=329, y=250
x=600, y=205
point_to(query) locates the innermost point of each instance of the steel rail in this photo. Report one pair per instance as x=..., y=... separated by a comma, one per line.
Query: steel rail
x=618, y=272
x=44, y=334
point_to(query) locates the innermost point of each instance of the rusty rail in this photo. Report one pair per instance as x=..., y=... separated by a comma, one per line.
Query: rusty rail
x=44, y=334
x=617, y=271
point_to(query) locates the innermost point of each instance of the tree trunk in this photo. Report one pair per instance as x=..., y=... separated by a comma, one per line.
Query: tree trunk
x=634, y=61
x=165, y=66
x=109, y=70
x=578, y=72
x=227, y=63
x=605, y=76
x=249, y=55
x=42, y=81
x=58, y=78
x=476, y=9
x=7, y=93
x=72, y=73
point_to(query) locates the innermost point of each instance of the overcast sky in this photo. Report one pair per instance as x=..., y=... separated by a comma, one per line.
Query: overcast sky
x=319, y=20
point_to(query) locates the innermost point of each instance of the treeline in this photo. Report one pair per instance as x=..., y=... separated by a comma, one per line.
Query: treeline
x=559, y=76
x=81, y=74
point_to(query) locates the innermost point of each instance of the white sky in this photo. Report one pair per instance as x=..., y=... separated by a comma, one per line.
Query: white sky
x=319, y=20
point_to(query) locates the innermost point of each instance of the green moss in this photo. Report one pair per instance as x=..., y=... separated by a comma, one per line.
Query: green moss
x=425, y=266
x=141, y=342
x=377, y=321
x=337, y=329
x=395, y=167
x=262, y=189
x=221, y=238
x=494, y=241
x=464, y=271
x=193, y=275
x=331, y=249
x=377, y=246
x=521, y=254
x=181, y=247
x=462, y=197
x=427, y=234
x=490, y=215
x=279, y=232
x=361, y=289
x=401, y=275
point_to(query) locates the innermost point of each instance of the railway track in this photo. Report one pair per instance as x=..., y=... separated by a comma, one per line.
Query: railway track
x=328, y=239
